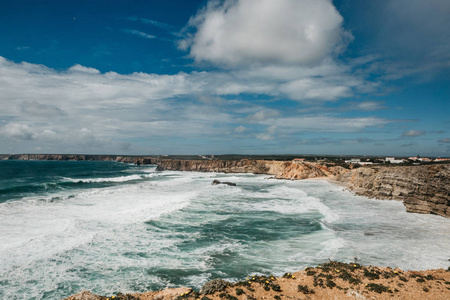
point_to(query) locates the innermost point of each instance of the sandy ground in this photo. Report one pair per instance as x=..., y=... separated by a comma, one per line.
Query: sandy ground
x=332, y=280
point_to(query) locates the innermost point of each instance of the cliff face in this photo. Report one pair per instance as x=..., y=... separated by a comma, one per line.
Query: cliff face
x=73, y=157
x=423, y=189
x=280, y=169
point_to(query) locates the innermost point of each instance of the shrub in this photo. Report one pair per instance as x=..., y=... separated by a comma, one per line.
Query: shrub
x=239, y=292
x=216, y=285
x=378, y=288
x=371, y=275
x=304, y=289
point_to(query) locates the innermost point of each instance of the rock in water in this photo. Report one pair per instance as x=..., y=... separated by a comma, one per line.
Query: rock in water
x=216, y=182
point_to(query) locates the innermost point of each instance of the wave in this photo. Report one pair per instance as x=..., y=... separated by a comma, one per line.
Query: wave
x=109, y=179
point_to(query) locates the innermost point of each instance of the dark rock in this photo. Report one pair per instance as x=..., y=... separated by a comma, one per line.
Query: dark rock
x=216, y=182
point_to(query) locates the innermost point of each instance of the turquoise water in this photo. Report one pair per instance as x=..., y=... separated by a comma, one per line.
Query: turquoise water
x=109, y=227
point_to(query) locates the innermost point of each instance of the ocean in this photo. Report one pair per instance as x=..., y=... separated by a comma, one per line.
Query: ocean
x=112, y=227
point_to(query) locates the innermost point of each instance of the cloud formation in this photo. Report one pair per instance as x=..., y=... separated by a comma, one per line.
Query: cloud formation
x=81, y=109
x=139, y=33
x=245, y=32
x=413, y=133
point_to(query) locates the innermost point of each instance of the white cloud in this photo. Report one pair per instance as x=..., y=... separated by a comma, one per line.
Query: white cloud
x=315, y=89
x=42, y=110
x=82, y=108
x=240, y=129
x=139, y=33
x=413, y=133
x=268, y=134
x=243, y=32
x=263, y=115
x=324, y=123
x=151, y=22
x=445, y=140
x=80, y=68
x=368, y=105
x=19, y=131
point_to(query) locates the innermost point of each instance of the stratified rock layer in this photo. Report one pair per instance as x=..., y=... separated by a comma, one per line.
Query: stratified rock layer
x=423, y=189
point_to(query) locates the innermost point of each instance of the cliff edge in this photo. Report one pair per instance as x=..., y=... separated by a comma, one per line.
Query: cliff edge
x=423, y=189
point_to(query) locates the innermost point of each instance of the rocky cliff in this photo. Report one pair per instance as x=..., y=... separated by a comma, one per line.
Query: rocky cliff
x=74, y=157
x=423, y=189
x=279, y=169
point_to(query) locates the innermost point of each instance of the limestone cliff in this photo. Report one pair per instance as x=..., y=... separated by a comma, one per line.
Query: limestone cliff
x=423, y=189
x=74, y=157
x=280, y=169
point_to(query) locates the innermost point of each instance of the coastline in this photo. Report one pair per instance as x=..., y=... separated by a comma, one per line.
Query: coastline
x=333, y=280
x=334, y=290
x=422, y=189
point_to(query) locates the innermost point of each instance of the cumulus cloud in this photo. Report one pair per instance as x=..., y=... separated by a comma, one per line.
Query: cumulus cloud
x=413, y=133
x=19, y=131
x=263, y=115
x=83, y=69
x=81, y=108
x=235, y=33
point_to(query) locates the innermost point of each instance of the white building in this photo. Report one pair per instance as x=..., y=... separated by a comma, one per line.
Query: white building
x=392, y=160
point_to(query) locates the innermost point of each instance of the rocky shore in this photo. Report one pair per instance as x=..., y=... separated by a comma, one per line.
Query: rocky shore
x=333, y=280
x=422, y=189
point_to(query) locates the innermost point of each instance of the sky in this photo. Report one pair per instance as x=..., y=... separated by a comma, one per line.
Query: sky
x=343, y=77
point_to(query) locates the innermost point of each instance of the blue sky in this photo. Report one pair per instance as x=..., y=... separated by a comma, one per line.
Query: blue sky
x=233, y=76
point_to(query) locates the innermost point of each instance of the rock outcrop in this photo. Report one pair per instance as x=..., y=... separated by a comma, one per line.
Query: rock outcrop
x=216, y=182
x=423, y=189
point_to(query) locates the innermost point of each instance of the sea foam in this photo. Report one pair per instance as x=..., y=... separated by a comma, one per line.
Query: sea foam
x=148, y=230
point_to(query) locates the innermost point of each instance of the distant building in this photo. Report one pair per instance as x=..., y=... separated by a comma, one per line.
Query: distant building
x=442, y=159
x=392, y=160
x=353, y=161
x=413, y=158
x=426, y=159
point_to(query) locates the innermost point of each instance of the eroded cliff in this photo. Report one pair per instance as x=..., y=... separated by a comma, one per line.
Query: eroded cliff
x=423, y=189
x=279, y=169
